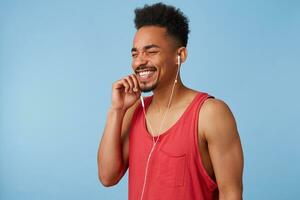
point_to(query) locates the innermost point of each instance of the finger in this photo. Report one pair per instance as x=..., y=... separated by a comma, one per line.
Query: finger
x=126, y=85
x=118, y=84
x=136, y=83
x=131, y=84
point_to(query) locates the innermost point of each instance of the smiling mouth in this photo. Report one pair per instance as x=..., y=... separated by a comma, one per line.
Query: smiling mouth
x=145, y=74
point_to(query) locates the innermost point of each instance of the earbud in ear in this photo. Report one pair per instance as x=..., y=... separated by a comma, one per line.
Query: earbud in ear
x=178, y=60
x=179, y=63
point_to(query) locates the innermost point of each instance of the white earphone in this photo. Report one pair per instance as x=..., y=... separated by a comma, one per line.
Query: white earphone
x=179, y=63
x=178, y=60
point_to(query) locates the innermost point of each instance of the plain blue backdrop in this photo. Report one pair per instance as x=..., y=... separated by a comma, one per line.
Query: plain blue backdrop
x=58, y=60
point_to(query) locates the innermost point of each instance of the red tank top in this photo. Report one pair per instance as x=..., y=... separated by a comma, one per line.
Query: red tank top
x=175, y=170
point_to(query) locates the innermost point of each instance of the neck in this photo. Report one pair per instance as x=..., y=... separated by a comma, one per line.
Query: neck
x=161, y=96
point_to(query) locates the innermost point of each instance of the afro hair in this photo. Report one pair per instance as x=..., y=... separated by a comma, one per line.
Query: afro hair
x=166, y=16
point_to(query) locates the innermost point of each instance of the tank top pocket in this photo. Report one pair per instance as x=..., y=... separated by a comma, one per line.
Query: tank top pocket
x=171, y=169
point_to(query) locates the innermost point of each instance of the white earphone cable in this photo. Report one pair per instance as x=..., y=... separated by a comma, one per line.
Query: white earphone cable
x=152, y=133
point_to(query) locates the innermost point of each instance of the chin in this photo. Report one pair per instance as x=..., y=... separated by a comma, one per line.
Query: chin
x=149, y=88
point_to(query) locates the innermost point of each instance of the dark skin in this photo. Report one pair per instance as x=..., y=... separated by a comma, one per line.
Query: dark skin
x=219, y=142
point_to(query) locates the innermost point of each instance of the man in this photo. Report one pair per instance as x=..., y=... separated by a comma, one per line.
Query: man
x=179, y=143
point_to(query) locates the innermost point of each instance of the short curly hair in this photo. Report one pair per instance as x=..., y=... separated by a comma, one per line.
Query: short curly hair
x=166, y=16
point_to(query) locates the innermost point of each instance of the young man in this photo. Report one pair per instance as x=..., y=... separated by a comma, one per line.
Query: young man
x=178, y=143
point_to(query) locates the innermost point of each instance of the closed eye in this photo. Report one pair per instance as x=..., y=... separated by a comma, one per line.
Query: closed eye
x=134, y=55
x=152, y=52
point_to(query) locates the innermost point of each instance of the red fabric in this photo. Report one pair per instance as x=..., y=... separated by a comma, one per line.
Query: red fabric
x=175, y=170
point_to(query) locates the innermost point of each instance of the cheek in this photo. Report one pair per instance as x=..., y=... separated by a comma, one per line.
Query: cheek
x=162, y=73
x=133, y=63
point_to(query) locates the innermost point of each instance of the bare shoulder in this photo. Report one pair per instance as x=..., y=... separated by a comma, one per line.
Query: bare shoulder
x=212, y=106
x=217, y=120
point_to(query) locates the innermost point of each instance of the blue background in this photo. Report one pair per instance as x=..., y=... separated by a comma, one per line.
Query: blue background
x=58, y=60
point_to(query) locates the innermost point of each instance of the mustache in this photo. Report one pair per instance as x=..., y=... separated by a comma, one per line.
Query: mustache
x=143, y=67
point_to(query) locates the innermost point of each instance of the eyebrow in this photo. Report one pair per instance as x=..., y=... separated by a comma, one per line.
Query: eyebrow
x=146, y=47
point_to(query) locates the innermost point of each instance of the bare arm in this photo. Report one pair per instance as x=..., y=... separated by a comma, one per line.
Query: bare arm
x=112, y=157
x=225, y=148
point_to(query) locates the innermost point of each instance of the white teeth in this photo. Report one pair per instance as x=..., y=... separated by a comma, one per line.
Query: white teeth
x=144, y=73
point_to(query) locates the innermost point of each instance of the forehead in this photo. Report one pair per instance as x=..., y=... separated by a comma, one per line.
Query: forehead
x=149, y=35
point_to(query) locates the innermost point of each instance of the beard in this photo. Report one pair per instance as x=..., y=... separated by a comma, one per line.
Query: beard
x=149, y=88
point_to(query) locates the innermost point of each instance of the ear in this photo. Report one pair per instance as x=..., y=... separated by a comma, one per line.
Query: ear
x=182, y=52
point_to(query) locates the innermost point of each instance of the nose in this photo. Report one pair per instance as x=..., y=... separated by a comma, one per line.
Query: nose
x=141, y=60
